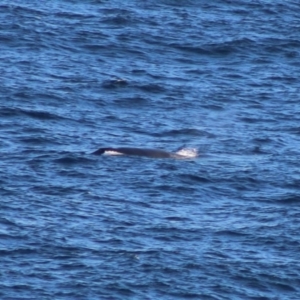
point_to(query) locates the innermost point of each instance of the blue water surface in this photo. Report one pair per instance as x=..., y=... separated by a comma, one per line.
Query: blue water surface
x=220, y=76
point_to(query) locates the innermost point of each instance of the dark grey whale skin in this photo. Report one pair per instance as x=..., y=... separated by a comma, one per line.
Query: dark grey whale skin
x=155, y=153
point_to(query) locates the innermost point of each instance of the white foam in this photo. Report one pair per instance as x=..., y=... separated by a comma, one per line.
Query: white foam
x=188, y=152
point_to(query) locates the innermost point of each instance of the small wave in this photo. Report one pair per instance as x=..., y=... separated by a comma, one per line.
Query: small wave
x=184, y=132
x=35, y=114
x=195, y=178
x=152, y=88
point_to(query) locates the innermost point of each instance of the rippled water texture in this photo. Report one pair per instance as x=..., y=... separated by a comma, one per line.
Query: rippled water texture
x=218, y=76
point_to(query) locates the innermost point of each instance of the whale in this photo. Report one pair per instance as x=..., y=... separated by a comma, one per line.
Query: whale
x=146, y=152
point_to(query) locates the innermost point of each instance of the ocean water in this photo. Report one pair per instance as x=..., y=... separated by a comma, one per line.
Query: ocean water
x=220, y=76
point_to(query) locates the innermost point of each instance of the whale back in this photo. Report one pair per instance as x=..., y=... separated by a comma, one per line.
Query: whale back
x=183, y=153
x=156, y=153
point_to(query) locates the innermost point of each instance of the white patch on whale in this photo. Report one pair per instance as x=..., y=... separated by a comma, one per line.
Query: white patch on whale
x=112, y=153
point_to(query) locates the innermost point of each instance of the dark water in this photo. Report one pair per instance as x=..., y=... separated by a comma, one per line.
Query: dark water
x=221, y=76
